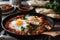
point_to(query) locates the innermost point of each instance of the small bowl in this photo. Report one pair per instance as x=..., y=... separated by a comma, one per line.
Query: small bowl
x=7, y=8
x=25, y=8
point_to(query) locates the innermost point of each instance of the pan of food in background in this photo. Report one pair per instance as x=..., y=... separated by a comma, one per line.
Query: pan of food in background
x=51, y=10
x=24, y=8
x=7, y=8
x=19, y=24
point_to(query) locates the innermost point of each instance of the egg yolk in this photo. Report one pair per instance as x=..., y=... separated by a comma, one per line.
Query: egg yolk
x=19, y=22
x=33, y=18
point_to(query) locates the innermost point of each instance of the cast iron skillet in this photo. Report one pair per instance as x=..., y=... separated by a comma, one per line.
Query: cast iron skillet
x=19, y=13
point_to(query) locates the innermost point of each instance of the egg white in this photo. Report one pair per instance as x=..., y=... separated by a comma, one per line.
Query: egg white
x=13, y=25
x=29, y=18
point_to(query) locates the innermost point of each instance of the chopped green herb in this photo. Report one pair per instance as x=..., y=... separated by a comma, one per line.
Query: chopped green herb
x=53, y=5
x=22, y=28
x=28, y=26
x=24, y=17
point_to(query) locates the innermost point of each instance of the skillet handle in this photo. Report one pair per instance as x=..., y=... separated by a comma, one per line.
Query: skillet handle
x=3, y=32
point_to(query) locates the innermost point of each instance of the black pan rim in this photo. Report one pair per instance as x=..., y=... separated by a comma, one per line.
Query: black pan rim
x=15, y=14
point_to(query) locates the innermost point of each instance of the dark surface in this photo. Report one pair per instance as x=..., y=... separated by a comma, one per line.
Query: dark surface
x=0, y=16
x=5, y=0
x=0, y=19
